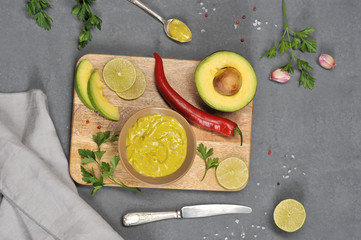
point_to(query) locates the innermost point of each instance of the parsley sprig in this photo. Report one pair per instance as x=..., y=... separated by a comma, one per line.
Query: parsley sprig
x=295, y=41
x=36, y=10
x=107, y=170
x=86, y=15
x=206, y=156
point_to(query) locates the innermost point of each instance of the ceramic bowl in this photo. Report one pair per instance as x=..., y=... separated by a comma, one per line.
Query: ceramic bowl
x=191, y=147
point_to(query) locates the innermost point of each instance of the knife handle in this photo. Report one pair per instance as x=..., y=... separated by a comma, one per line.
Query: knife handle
x=136, y=218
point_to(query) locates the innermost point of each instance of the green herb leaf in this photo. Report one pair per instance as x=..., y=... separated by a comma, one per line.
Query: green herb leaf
x=114, y=162
x=85, y=14
x=270, y=52
x=288, y=67
x=106, y=169
x=99, y=154
x=282, y=47
x=307, y=80
x=36, y=9
x=301, y=64
x=305, y=32
x=296, y=43
x=203, y=153
x=309, y=44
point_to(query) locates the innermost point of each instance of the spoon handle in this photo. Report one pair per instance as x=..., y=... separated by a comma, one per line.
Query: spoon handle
x=148, y=10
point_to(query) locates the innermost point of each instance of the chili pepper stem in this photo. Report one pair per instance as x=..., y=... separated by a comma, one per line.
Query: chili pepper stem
x=239, y=132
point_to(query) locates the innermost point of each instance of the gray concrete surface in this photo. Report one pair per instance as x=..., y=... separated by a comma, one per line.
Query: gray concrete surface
x=315, y=136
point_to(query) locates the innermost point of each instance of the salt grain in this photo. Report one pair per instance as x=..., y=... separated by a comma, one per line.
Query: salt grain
x=286, y=177
x=203, y=8
x=284, y=166
x=235, y=26
x=216, y=234
x=263, y=228
x=259, y=28
x=255, y=236
x=293, y=156
x=266, y=22
x=206, y=10
x=258, y=184
x=226, y=238
x=203, y=30
x=294, y=168
x=236, y=221
x=214, y=9
x=77, y=132
x=289, y=171
x=304, y=173
x=254, y=24
x=232, y=233
x=259, y=23
x=200, y=13
x=201, y=3
x=258, y=226
x=252, y=225
x=265, y=213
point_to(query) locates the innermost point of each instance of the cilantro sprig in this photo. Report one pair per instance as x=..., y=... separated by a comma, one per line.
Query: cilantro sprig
x=85, y=14
x=36, y=9
x=107, y=169
x=206, y=156
x=292, y=40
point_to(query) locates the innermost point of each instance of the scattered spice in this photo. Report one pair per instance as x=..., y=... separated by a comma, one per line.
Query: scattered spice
x=269, y=152
x=244, y=17
x=99, y=126
x=278, y=183
x=242, y=39
x=237, y=21
x=206, y=15
x=254, y=9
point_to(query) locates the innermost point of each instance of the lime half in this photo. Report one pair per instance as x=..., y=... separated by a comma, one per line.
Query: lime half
x=119, y=74
x=289, y=215
x=232, y=173
x=137, y=89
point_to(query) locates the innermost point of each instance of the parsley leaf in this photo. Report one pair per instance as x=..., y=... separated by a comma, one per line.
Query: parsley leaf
x=107, y=170
x=205, y=155
x=307, y=80
x=301, y=64
x=309, y=44
x=305, y=32
x=288, y=67
x=270, y=52
x=282, y=47
x=36, y=9
x=85, y=14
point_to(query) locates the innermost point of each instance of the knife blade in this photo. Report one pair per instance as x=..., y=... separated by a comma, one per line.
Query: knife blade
x=196, y=211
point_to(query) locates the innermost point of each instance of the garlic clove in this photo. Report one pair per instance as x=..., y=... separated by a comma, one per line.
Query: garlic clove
x=280, y=76
x=326, y=61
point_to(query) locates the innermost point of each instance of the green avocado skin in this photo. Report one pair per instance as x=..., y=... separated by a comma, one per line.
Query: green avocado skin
x=82, y=76
x=200, y=80
x=95, y=96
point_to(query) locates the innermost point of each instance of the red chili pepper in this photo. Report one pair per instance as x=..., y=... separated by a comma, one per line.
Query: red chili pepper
x=244, y=17
x=242, y=39
x=269, y=152
x=237, y=21
x=99, y=126
x=191, y=113
x=206, y=15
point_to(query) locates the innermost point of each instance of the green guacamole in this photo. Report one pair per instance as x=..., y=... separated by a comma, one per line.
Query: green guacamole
x=156, y=145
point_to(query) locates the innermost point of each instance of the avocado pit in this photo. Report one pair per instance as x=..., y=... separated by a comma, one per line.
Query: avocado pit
x=227, y=81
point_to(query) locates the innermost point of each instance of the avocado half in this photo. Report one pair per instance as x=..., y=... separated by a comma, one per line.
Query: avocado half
x=101, y=104
x=214, y=67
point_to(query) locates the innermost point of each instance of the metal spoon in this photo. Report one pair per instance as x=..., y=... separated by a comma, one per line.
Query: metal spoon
x=162, y=20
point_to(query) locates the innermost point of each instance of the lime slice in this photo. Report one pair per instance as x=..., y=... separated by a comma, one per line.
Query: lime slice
x=119, y=74
x=232, y=173
x=289, y=215
x=137, y=89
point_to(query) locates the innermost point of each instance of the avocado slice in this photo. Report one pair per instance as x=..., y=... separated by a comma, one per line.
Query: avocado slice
x=82, y=75
x=214, y=75
x=95, y=90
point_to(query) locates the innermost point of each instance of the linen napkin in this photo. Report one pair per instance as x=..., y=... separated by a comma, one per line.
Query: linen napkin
x=38, y=199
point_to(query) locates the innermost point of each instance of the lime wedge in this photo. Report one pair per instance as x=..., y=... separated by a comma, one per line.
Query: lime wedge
x=232, y=173
x=119, y=74
x=137, y=89
x=289, y=215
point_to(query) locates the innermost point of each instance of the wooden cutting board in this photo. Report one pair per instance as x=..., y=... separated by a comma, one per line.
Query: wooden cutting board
x=180, y=74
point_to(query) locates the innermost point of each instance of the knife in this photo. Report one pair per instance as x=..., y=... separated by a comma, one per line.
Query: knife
x=196, y=211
